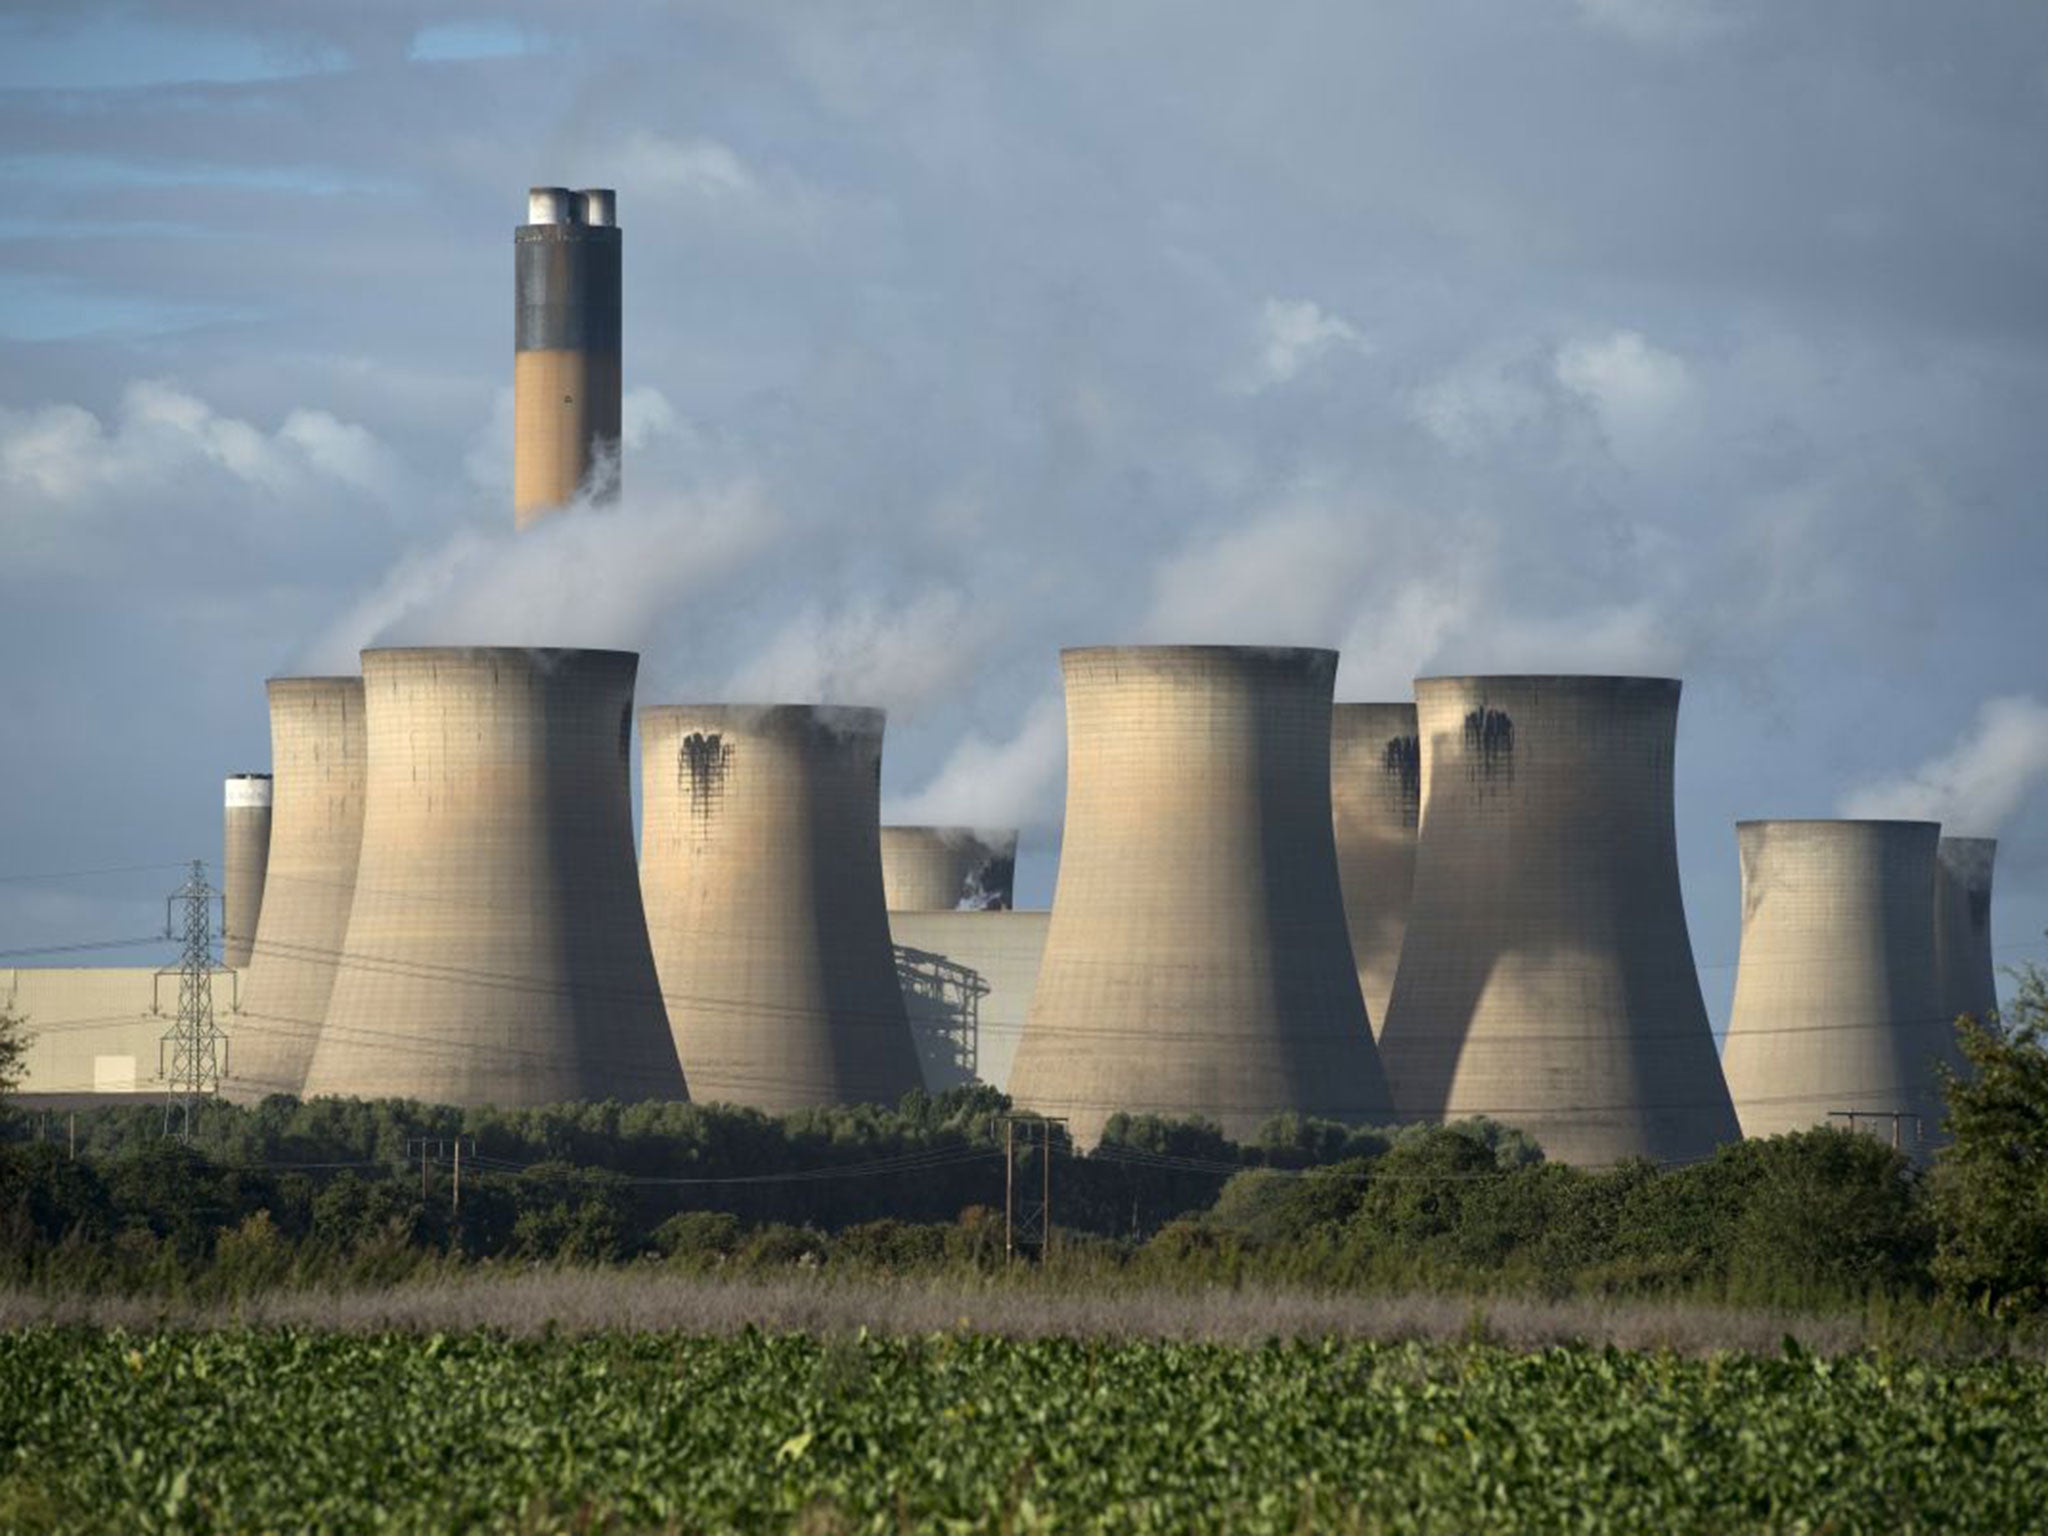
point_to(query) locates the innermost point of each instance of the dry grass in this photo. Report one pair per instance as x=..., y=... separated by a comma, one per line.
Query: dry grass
x=581, y=1301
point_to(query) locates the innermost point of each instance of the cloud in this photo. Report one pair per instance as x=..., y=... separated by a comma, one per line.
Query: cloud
x=692, y=167
x=904, y=656
x=1979, y=785
x=1294, y=334
x=1635, y=387
x=1010, y=781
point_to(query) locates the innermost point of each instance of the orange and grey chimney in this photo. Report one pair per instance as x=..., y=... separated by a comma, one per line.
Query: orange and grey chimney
x=565, y=366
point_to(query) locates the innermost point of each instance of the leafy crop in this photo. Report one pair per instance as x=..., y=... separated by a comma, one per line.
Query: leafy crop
x=271, y=1431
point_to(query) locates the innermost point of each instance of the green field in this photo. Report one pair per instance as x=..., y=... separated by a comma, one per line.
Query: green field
x=280, y=1430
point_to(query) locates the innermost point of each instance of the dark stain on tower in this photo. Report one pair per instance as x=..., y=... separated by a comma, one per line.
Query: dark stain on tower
x=1489, y=744
x=702, y=765
x=1401, y=761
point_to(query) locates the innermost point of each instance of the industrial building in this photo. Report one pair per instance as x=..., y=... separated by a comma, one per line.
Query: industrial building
x=948, y=869
x=244, y=859
x=566, y=365
x=1375, y=796
x=1546, y=976
x=1838, y=1016
x=1197, y=962
x=967, y=977
x=496, y=949
x=317, y=758
x=1965, y=972
x=762, y=871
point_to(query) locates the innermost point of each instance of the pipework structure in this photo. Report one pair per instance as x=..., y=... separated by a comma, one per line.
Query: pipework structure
x=245, y=856
x=1838, y=1008
x=1376, y=797
x=1197, y=961
x=1967, y=977
x=567, y=330
x=761, y=867
x=317, y=748
x=1546, y=975
x=497, y=952
x=948, y=869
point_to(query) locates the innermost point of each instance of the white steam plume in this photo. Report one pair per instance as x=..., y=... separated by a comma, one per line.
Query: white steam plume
x=1976, y=788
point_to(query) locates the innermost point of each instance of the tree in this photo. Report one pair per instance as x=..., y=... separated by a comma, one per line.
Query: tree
x=14, y=1042
x=1990, y=1183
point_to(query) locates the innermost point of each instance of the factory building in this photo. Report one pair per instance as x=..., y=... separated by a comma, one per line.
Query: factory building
x=317, y=754
x=1197, y=962
x=1838, y=1016
x=948, y=869
x=1967, y=976
x=566, y=369
x=762, y=871
x=244, y=858
x=497, y=952
x=1375, y=795
x=1546, y=975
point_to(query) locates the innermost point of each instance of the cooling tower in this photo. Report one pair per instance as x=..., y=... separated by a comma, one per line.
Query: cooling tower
x=566, y=334
x=496, y=951
x=1962, y=927
x=1375, y=790
x=948, y=869
x=1197, y=961
x=762, y=870
x=245, y=853
x=1546, y=975
x=1837, y=1001
x=316, y=751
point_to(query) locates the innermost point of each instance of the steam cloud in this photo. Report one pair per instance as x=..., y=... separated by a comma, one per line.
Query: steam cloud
x=1980, y=785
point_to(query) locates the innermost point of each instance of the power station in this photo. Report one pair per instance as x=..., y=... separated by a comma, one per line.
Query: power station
x=1376, y=796
x=1197, y=961
x=1546, y=975
x=496, y=950
x=948, y=869
x=762, y=870
x=1266, y=904
x=1967, y=978
x=317, y=749
x=244, y=860
x=1838, y=1015
x=566, y=361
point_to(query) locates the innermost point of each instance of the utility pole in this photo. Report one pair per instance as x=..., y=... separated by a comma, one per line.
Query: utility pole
x=1898, y=1118
x=195, y=1044
x=1027, y=1213
x=434, y=1149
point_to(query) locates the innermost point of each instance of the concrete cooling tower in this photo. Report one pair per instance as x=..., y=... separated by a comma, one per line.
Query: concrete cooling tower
x=761, y=864
x=1837, y=999
x=1962, y=927
x=1375, y=792
x=1197, y=961
x=316, y=752
x=948, y=869
x=496, y=951
x=1547, y=975
x=566, y=358
x=245, y=854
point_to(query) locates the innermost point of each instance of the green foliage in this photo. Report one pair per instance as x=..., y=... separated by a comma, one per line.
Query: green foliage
x=1990, y=1184
x=278, y=1430
x=14, y=1042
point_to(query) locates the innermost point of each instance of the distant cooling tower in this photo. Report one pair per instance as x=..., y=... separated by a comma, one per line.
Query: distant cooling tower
x=1197, y=961
x=1376, y=791
x=762, y=869
x=566, y=339
x=496, y=951
x=245, y=854
x=948, y=869
x=1546, y=975
x=1962, y=927
x=316, y=751
x=1837, y=1002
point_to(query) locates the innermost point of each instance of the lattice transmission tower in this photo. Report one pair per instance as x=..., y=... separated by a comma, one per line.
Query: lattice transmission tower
x=193, y=1044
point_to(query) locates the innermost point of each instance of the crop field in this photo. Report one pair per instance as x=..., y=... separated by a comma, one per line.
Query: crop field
x=271, y=1430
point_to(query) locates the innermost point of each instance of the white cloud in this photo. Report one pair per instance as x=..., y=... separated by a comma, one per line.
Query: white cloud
x=697, y=167
x=903, y=656
x=1977, y=786
x=1013, y=782
x=1636, y=388
x=1293, y=335
x=1288, y=577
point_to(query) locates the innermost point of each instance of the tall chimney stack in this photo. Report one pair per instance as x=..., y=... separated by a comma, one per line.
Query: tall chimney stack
x=565, y=364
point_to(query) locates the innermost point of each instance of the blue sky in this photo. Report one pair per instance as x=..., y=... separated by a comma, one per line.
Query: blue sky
x=1489, y=335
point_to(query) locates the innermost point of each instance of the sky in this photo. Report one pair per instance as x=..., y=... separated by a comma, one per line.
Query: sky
x=1704, y=338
